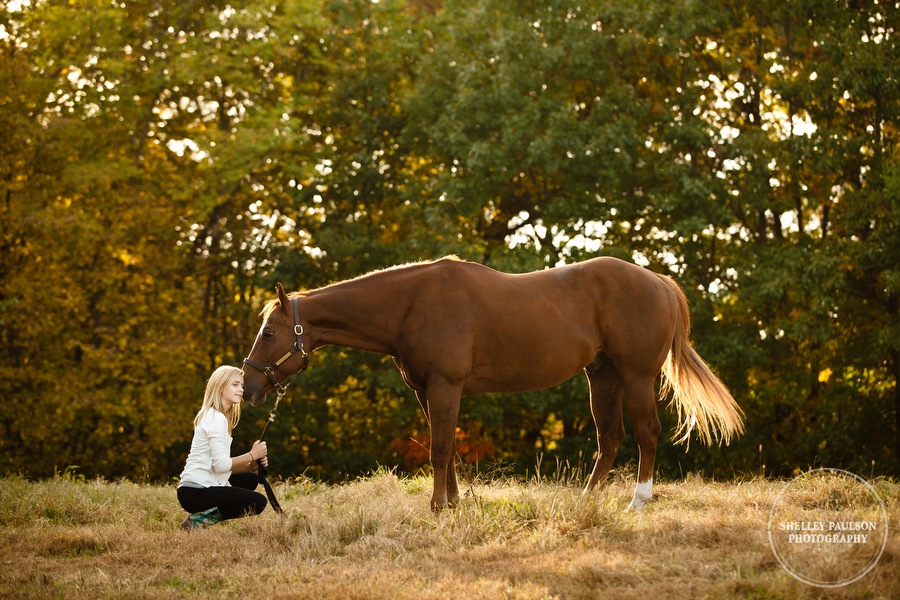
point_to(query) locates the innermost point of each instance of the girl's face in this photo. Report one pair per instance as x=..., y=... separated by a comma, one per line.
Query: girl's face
x=234, y=392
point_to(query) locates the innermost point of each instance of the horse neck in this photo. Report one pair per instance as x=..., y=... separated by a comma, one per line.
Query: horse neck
x=363, y=314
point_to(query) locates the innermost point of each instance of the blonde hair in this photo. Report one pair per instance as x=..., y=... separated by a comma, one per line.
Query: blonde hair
x=212, y=398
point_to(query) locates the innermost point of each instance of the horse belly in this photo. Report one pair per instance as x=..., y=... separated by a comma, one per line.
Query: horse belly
x=521, y=363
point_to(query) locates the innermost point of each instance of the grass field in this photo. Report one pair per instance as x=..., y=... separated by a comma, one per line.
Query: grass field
x=376, y=538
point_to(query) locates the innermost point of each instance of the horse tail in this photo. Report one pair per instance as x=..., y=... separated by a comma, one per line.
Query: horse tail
x=702, y=401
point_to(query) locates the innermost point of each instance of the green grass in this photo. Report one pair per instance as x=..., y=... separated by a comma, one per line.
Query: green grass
x=377, y=538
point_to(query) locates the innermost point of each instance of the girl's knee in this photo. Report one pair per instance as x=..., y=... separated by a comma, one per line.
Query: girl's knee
x=260, y=504
x=247, y=481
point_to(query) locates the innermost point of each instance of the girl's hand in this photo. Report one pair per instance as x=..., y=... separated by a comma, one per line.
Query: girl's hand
x=259, y=450
x=264, y=462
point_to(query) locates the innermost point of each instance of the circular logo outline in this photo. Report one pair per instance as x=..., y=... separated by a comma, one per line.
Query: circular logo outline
x=871, y=565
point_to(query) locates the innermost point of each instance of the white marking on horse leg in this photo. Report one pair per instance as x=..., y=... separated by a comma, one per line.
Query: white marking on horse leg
x=643, y=492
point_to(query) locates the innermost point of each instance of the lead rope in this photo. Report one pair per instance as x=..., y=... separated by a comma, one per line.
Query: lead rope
x=262, y=472
x=280, y=390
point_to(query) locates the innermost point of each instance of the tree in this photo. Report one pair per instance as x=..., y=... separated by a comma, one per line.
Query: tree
x=162, y=169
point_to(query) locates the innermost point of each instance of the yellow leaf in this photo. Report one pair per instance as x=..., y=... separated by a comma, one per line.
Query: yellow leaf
x=824, y=375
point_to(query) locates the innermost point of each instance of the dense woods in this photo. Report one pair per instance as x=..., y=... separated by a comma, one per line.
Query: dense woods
x=163, y=165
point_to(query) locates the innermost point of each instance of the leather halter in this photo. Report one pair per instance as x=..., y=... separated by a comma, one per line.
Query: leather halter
x=269, y=371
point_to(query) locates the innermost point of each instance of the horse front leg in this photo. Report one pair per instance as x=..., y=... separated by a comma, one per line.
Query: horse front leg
x=443, y=411
x=452, y=481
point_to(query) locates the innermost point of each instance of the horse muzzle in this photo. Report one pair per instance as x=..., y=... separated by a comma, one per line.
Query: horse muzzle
x=258, y=397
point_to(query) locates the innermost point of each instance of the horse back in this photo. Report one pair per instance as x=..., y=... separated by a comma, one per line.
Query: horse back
x=497, y=331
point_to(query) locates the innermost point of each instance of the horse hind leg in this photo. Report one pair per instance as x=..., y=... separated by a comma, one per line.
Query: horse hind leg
x=606, y=407
x=641, y=399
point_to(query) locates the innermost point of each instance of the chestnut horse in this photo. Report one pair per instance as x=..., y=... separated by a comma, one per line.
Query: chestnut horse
x=457, y=328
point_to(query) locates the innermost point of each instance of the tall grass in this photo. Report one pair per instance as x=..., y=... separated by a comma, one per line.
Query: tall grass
x=376, y=538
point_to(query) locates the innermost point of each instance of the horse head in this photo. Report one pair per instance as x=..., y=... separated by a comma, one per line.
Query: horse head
x=277, y=351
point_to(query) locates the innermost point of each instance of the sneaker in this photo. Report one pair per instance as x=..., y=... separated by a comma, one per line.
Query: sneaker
x=201, y=520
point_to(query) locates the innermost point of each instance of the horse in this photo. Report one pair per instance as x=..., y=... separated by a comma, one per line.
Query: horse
x=457, y=328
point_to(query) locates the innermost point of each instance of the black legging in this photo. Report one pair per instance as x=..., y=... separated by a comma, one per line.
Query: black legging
x=235, y=501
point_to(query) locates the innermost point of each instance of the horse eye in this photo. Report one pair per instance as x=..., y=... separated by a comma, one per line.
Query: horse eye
x=268, y=334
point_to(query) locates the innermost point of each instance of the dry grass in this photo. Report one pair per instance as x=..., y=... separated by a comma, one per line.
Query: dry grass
x=376, y=538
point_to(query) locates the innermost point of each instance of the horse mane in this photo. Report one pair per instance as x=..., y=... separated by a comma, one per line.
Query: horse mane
x=400, y=267
x=271, y=305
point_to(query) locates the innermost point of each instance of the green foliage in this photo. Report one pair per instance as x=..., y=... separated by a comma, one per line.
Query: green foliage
x=160, y=170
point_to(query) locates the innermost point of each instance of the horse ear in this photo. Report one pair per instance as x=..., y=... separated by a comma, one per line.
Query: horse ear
x=282, y=296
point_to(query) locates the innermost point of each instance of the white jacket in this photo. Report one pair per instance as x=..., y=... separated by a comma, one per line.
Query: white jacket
x=209, y=462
